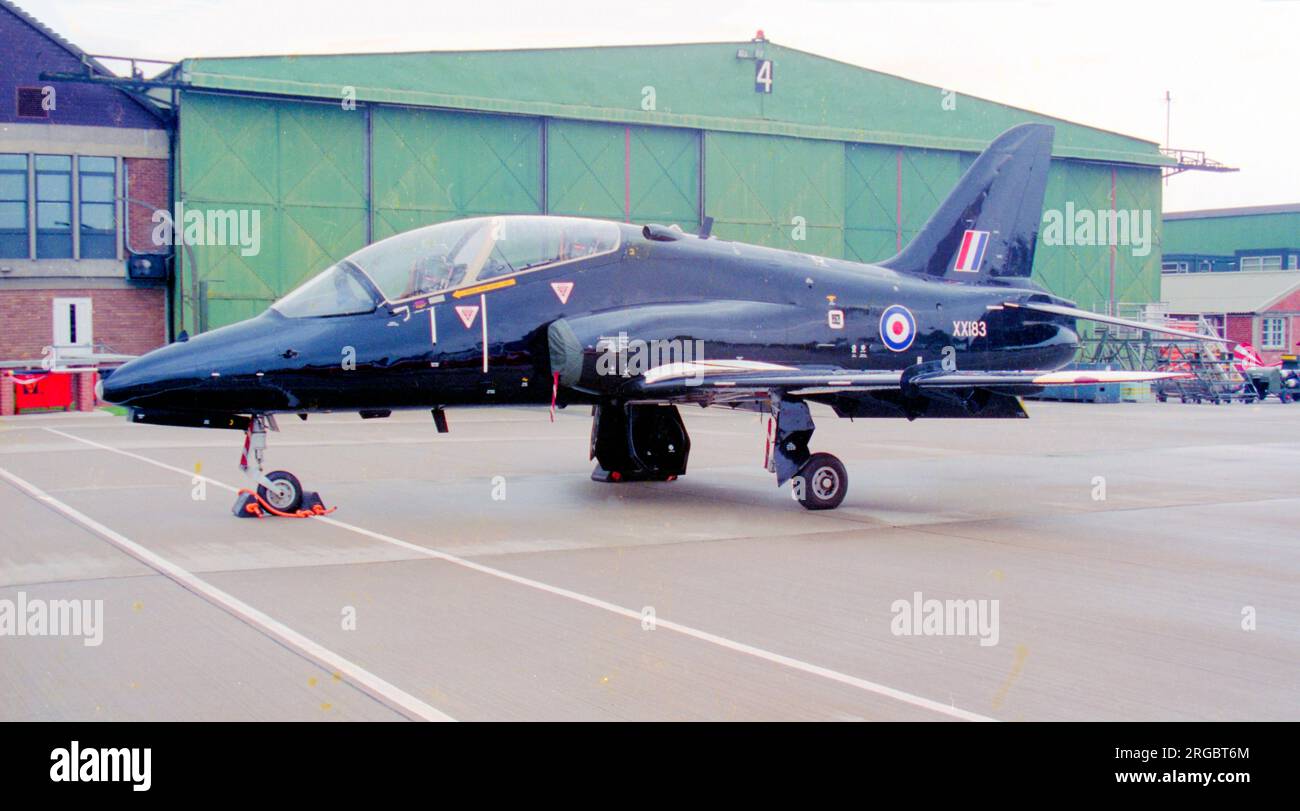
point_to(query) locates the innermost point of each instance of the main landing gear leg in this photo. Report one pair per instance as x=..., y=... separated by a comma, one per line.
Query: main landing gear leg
x=819, y=479
x=278, y=492
x=638, y=442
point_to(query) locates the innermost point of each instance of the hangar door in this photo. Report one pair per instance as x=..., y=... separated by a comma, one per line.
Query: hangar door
x=757, y=185
x=890, y=192
x=281, y=186
x=434, y=165
x=618, y=172
x=1083, y=272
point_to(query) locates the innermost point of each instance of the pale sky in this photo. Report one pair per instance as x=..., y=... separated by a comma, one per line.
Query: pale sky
x=1232, y=67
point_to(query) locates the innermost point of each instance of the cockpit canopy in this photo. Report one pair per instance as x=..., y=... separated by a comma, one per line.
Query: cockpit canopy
x=447, y=256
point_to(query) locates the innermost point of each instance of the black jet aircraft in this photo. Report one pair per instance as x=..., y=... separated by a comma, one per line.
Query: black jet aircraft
x=634, y=321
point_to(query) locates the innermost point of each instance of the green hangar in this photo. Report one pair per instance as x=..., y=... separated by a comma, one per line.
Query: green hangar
x=309, y=158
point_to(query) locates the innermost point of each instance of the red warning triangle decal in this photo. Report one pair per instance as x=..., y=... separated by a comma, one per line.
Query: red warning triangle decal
x=467, y=314
x=562, y=291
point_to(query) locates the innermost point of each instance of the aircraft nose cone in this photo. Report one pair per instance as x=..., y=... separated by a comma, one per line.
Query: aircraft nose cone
x=126, y=382
x=168, y=377
x=209, y=372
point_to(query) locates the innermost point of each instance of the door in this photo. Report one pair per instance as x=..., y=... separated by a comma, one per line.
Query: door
x=73, y=326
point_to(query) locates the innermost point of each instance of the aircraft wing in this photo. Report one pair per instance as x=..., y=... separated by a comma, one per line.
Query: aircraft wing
x=715, y=376
x=742, y=376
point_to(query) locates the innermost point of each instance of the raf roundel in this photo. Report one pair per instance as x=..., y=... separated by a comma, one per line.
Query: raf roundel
x=897, y=327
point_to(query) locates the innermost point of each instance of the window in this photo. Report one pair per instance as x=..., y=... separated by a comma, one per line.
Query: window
x=1173, y=267
x=337, y=290
x=462, y=252
x=97, y=179
x=1272, y=333
x=72, y=214
x=1261, y=262
x=53, y=207
x=13, y=207
x=523, y=243
x=426, y=260
x=1295, y=261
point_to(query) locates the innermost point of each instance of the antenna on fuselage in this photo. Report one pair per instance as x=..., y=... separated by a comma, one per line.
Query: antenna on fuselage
x=706, y=228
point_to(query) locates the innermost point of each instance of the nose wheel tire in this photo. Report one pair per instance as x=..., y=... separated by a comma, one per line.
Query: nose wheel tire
x=285, y=492
x=822, y=482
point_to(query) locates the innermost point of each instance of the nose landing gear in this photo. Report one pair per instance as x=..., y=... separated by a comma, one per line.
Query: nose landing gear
x=285, y=493
x=278, y=492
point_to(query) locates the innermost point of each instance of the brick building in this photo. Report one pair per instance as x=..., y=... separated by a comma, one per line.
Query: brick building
x=83, y=166
x=1261, y=308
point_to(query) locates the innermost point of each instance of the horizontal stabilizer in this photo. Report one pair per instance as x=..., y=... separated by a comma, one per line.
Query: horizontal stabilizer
x=1088, y=315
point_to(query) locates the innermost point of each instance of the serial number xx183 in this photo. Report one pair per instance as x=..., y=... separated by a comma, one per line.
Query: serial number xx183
x=970, y=329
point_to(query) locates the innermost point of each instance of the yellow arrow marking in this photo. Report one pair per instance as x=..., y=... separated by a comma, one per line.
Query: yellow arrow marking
x=483, y=288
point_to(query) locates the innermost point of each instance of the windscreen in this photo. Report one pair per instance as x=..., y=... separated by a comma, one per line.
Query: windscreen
x=337, y=290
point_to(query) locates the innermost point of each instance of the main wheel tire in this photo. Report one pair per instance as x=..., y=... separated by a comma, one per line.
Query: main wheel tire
x=285, y=494
x=822, y=482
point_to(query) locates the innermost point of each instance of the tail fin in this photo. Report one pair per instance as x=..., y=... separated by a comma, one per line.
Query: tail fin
x=988, y=226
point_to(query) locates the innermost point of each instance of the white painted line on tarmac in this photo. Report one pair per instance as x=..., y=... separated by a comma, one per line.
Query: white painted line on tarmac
x=353, y=673
x=595, y=602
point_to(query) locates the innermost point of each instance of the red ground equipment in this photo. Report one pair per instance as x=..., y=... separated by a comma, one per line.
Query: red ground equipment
x=42, y=390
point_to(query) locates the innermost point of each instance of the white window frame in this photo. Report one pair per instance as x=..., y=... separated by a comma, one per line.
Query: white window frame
x=1257, y=263
x=1264, y=342
x=1174, y=267
x=119, y=193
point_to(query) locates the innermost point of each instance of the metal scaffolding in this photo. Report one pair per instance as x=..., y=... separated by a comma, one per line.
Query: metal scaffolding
x=1214, y=378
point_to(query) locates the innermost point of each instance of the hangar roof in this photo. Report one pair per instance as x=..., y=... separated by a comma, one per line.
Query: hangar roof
x=1240, y=211
x=701, y=85
x=1224, y=231
x=1229, y=292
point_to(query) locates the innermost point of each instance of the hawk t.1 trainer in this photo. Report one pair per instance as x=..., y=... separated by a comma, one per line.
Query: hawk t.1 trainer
x=635, y=321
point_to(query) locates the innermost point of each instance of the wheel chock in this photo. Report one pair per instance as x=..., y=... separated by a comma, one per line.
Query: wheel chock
x=242, y=504
x=249, y=505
